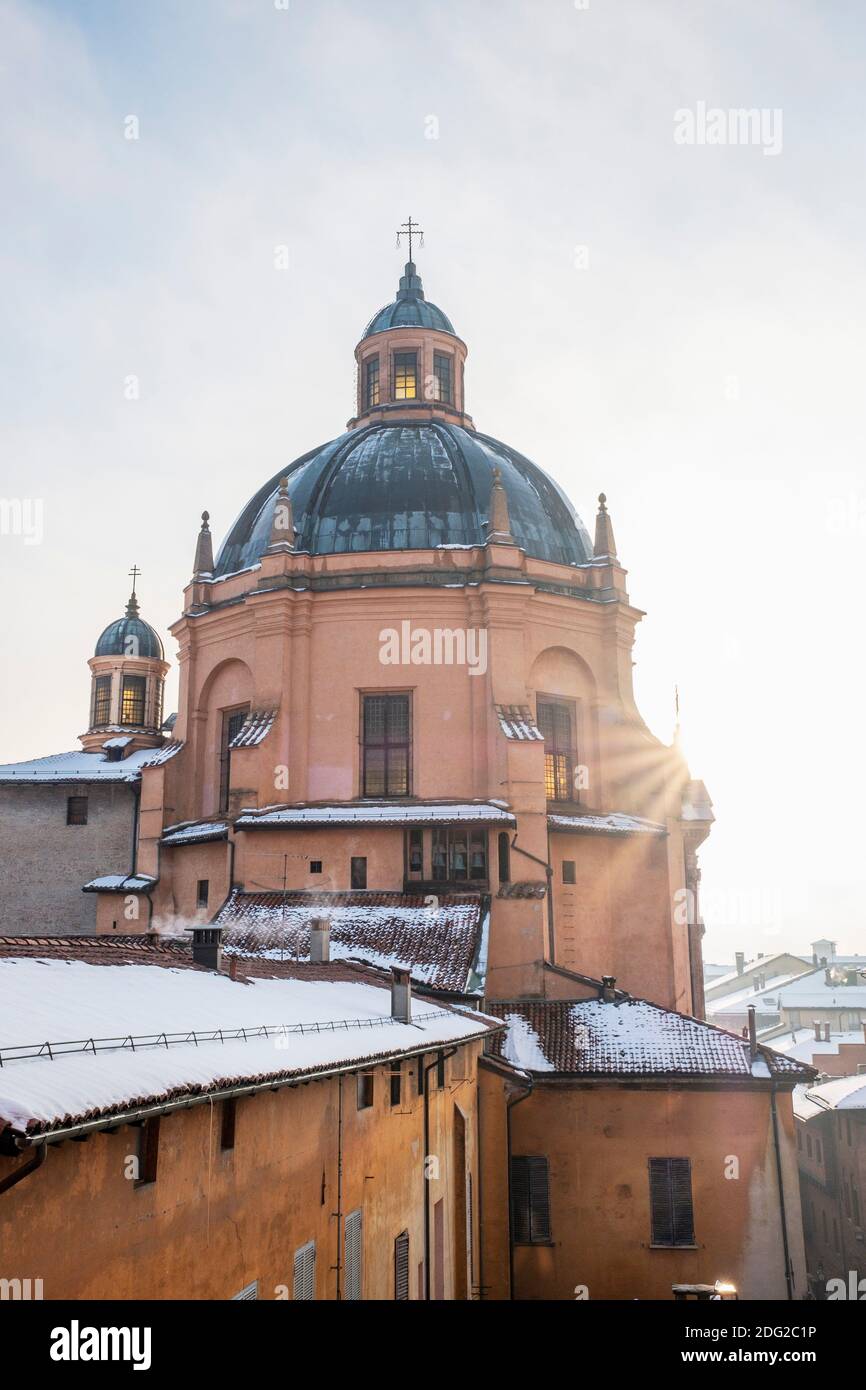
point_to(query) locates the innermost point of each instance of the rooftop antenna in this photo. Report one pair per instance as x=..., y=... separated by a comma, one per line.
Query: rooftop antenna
x=410, y=229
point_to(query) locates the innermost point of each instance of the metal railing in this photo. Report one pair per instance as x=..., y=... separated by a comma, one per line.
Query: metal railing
x=135, y=1042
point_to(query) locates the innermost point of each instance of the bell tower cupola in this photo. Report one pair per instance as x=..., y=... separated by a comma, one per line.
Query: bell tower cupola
x=410, y=360
x=128, y=670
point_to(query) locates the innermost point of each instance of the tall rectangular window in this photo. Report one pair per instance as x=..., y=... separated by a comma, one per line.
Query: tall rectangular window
x=148, y=1152
x=458, y=855
x=415, y=854
x=202, y=892
x=401, y=1268
x=354, y=1281
x=530, y=1200
x=405, y=376
x=365, y=1091
x=443, y=389
x=556, y=722
x=101, y=700
x=132, y=700
x=233, y=722
x=304, y=1281
x=386, y=736
x=371, y=381
x=76, y=810
x=671, y=1212
x=227, y=1123
x=359, y=871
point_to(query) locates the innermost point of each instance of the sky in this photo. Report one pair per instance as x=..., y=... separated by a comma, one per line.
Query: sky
x=650, y=311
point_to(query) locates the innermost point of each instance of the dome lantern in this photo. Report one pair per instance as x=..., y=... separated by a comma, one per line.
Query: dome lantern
x=128, y=670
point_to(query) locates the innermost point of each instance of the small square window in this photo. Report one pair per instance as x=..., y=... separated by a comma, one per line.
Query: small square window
x=202, y=892
x=568, y=871
x=365, y=1090
x=359, y=871
x=76, y=810
x=315, y=866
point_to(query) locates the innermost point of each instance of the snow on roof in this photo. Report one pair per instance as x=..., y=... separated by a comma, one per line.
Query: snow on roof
x=79, y=766
x=121, y=883
x=195, y=832
x=844, y=1093
x=728, y=1003
x=804, y=1108
x=803, y=1044
x=371, y=813
x=758, y=967
x=255, y=729
x=632, y=1037
x=441, y=946
x=616, y=823
x=312, y=1024
x=517, y=722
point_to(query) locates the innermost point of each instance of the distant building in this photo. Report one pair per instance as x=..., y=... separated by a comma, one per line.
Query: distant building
x=831, y=1153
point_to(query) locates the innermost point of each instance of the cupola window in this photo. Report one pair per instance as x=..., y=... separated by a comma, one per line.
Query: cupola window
x=405, y=376
x=132, y=700
x=443, y=387
x=371, y=381
x=386, y=735
x=101, y=700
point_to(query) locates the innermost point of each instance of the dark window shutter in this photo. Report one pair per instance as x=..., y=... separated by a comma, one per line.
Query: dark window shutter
x=353, y=1281
x=304, y=1287
x=671, y=1210
x=401, y=1267
x=530, y=1200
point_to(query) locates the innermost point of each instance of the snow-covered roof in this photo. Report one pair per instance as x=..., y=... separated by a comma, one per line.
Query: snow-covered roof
x=121, y=883
x=738, y=1000
x=803, y=1044
x=629, y=1038
x=272, y=1028
x=79, y=766
x=255, y=729
x=735, y=980
x=518, y=722
x=377, y=813
x=615, y=823
x=440, y=944
x=844, y=1093
x=195, y=832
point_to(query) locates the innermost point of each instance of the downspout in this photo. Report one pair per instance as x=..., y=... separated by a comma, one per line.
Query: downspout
x=39, y=1155
x=546, y=866
x=339, y=1184
x=443, y=1057
x=509, y=1106
x=776, y=1146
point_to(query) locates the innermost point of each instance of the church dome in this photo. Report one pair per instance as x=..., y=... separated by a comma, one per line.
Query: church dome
x=410, y=309
x=130, y=636
x=407, y=486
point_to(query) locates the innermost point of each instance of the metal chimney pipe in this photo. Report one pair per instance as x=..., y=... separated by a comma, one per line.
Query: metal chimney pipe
x=320, y=941
x=753, y=1033
x=401, y=995
x=608, y=988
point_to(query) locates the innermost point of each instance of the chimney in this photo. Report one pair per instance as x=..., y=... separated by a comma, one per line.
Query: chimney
x=401, y=995
x=206, y=948
x=740, y=958
x=817, y=1026
x=760, y=955
x=826, y=1032
x=850, y=977
x=233, y=966
x=814, y=957
x=753, y=1033
x=608, y=989
x=827, y=979
x=320, y=941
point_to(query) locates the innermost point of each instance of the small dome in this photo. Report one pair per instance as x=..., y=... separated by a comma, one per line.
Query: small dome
x=405, y=487
x=410, y=309
x=130, y=636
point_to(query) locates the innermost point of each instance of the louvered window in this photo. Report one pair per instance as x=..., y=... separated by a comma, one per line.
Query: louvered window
x=304, y=1285
x=247, y=1295
x=401, y=1267
x=354, y=1256
x=671, y=1211
x=530, y=1201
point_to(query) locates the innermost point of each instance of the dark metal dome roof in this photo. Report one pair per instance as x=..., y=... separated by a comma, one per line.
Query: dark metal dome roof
x=130, y=636
x=410, y=309
x=408, y=487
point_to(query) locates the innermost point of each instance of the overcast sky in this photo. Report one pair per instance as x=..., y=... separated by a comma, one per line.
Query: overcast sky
x=678, y=324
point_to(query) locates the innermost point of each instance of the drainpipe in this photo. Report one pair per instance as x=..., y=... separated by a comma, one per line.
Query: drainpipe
x=545, y=864
x=339, y=1184
x=443, y=1057
x=509, y=1106
x=776, y=1146
x=39, y=1154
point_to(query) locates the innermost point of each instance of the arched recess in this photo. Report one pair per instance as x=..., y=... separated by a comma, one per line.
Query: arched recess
x=227, y=689
x=559, y=677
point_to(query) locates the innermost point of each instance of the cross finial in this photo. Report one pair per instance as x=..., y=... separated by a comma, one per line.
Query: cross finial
x=410, y=229
x=134, y=573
